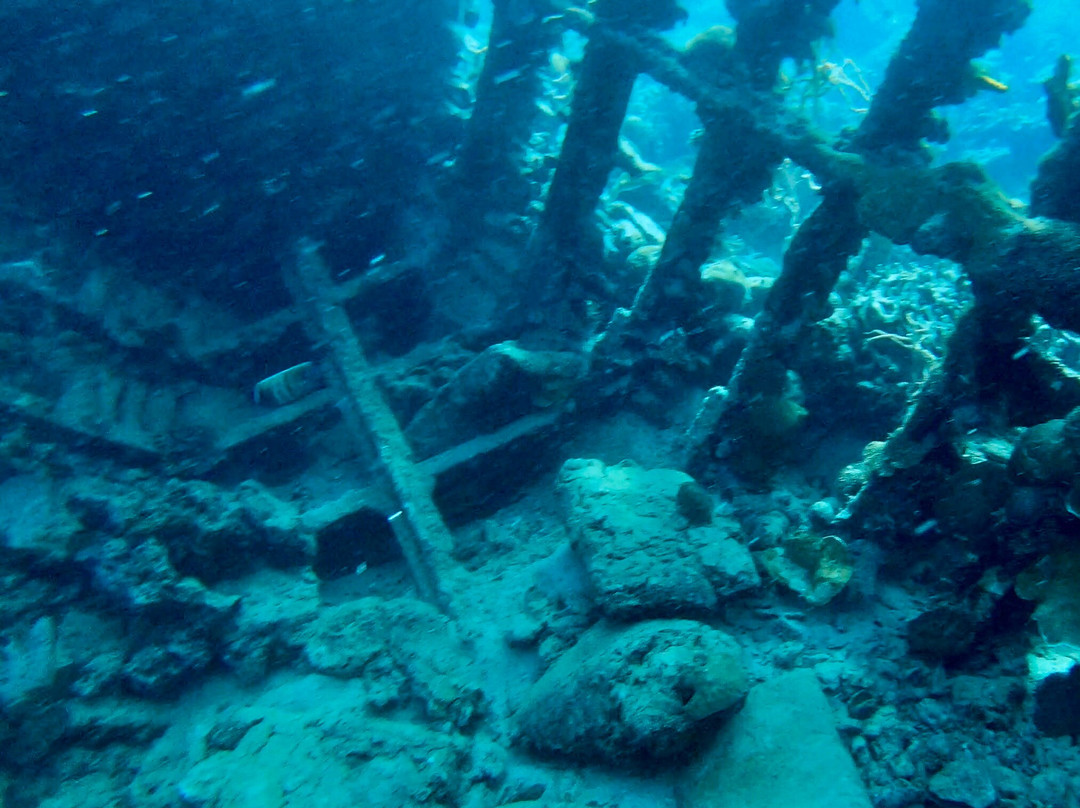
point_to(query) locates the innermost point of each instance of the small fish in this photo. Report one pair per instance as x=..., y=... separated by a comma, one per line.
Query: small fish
x=988, y=83
x=473, y=46
x=560, y=62
x=258, y=88
x=288, y=386
x=509, y=75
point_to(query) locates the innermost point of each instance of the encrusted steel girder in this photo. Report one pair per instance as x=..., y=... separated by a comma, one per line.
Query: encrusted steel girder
x=424, y=538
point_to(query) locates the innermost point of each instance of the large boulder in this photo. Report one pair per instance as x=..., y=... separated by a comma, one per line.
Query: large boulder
x=648, y=549
x=627, y=693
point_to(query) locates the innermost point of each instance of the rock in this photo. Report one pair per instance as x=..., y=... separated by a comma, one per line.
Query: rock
x=814, y=567
x=943, y=632
x=98, y=675
x=964, y=784
x=227, y=733
x=139, y=578
x=213, y=534
x=641, y=555
x=1053, y=787
x=695, y=504
x=1057, y=703
x=726, y=283
x=28, y=660
x=781, y=749
x=268, y=629
x=308, y=746
x=822, y=513
x=209, y=532
x=1052, y=583
x=31, y=730
x=1043, y=456
x=179, y=625
x=161, y=670
x=728, y=567
x=34, y=524
x=626, y=693
x=404, y=650
x=105, y=722
x=989, y=700
x=92, y=647
x=521, y=790
x=499, y=386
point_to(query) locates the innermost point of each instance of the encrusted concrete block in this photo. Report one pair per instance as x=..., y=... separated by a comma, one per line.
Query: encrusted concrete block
x=643, y=556
x=781, y=749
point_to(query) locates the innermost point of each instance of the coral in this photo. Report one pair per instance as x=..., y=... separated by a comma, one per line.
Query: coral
x=814, y=567
x=388, y=644
x=695, y=503
x=1042, y=456
x=728, y=284
x=762, y=435
x=1055, y=189
x=932, y=68
x=954, y=210
x=1061, y=96
x=1053, y=583
x=769, y=31
x=827, y=76
x=711, y=55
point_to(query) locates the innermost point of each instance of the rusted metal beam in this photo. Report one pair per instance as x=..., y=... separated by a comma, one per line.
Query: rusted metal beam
x=425, y=540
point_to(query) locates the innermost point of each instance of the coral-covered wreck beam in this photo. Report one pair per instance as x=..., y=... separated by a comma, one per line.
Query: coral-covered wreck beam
x=733, y=167
x=737, y=153
x=932, y=68
x=1016, y=263
x=1056, y=189
x=605, y=80
x=486, y=173
x=771, y=30
x=954, y=211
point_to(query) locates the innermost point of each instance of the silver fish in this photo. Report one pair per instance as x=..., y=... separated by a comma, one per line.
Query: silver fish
x=289, y=385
